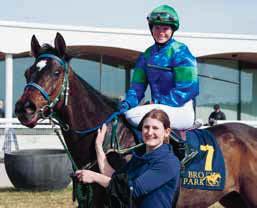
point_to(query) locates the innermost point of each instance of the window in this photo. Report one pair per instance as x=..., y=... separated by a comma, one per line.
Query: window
x=113, y=81
x=20, y=65
x=248, y=94
x=2, y=80
x=219, y=83
x=88, y=70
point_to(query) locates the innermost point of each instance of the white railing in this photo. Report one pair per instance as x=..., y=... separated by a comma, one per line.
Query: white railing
x=42, y=136
x=15, y=123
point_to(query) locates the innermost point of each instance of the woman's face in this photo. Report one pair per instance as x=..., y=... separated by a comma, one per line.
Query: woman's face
x=154, y=133
x=162, y=33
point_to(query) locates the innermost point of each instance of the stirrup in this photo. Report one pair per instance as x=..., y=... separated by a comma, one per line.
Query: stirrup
x=188, y=157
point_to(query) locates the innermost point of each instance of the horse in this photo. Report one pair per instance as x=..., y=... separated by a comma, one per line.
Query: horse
x=53, y=87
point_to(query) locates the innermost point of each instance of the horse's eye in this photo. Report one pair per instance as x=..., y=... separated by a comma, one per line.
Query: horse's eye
x=57, y=73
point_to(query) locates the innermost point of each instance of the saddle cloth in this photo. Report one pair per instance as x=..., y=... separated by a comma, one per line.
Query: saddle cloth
x=207, y=170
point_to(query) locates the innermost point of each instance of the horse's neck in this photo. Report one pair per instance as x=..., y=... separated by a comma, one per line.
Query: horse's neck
x=91, y=109
x=85, y=108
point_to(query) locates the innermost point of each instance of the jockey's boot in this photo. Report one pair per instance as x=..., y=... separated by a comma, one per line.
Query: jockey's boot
x=178, y=147
x=182, y=150
x=190, y=153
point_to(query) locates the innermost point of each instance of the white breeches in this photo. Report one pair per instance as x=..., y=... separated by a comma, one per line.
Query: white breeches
x=180, y=117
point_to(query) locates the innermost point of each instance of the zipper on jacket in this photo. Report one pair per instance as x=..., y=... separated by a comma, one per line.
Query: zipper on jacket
x=159, y=67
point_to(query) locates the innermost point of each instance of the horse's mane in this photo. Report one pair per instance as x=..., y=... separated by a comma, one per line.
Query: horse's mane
x=110, y=101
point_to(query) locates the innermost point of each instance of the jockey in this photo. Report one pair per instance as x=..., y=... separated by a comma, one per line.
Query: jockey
x=170, y=70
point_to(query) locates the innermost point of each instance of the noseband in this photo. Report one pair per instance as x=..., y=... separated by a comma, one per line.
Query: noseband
x=64, y=91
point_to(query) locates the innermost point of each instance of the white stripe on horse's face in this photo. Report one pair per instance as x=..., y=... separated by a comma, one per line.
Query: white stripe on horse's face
x=41, y=64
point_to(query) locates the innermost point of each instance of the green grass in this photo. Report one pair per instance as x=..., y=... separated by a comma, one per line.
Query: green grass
x=13, y=198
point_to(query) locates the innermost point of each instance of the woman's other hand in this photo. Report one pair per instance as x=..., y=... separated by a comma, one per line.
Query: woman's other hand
x=88, y=176
x=100, y=135
x=85, y=176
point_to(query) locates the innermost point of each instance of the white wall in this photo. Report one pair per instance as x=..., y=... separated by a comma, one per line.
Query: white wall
x=16, y=36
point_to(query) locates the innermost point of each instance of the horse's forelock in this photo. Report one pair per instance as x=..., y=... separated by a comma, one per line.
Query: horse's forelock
x=47, y=48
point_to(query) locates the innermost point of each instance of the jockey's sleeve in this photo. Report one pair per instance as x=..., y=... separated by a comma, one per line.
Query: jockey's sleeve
x=159, y=174
x=139, y=83
x=186, y=79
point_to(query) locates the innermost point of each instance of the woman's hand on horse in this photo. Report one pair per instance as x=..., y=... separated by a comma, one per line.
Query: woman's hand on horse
x=100, y=135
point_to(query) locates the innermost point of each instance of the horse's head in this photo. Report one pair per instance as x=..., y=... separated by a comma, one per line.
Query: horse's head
x=47, y=82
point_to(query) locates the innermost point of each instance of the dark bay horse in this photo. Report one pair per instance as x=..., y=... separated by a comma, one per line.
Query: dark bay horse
x=52, y=86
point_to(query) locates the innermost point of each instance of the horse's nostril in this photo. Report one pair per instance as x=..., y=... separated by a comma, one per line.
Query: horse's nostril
x=29, y=107
x=27, y=104
x=25, y=108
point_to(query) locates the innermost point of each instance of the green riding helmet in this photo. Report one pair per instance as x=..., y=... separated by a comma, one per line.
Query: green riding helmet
x=164, y=15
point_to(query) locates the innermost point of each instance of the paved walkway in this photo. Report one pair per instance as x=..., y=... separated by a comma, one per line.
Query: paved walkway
x=4, y=180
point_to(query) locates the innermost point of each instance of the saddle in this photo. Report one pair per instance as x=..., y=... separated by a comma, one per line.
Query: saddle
x=182, y=149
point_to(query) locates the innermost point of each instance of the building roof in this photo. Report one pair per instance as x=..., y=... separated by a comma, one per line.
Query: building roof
x=121, y=46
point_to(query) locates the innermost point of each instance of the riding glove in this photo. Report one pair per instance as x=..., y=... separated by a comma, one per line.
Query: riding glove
x=123, y=107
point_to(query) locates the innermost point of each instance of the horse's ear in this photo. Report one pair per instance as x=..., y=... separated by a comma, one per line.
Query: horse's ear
x=35, y=46
x=60, y=44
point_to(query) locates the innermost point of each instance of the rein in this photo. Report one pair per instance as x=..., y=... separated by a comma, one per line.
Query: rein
x=83, y=193
x=79, y=192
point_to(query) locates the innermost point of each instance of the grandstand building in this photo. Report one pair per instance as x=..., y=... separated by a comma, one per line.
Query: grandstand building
x=105, y=58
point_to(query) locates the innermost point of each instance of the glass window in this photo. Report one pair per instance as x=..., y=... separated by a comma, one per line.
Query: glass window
x=2, y=80
x=219, y=83
x=88, y=70
x=19, y=67
x=113, y=81
x=248, y=94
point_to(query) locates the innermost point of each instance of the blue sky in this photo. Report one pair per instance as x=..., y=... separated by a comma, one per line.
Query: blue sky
x=211, y=16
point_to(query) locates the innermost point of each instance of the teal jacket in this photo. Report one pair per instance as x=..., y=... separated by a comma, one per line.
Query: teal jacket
x=171, y=72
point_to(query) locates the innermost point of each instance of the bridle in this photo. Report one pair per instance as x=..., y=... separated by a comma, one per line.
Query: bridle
x=63, y=92
x=47, y=111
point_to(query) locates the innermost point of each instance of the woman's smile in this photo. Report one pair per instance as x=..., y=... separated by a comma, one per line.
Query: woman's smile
x=153, y=133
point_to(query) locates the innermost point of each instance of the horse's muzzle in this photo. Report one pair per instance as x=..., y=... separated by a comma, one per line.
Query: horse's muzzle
x=26, y=112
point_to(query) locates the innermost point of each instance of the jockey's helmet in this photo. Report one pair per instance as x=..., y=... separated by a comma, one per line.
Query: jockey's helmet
x=164, y=15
